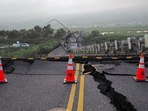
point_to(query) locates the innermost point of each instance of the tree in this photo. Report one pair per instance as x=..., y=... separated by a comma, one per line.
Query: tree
x=38, y=29
x=60, y=33
x=23, y=33
x=33, y=34
x=3, y=33
x=48, y=30
x=14, y=34
x=95, y=33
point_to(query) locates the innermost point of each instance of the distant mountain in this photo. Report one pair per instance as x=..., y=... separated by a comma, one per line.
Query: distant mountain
x=128, y=16
x=133, y=16
x=118, y=17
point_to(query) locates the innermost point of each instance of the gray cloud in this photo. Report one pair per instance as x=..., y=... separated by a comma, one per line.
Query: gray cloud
x=21, y=11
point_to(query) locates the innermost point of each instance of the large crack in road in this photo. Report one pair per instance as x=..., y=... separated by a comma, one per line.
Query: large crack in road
x=118, y=100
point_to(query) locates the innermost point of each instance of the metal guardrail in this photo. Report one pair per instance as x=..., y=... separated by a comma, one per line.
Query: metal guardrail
x=78, y=58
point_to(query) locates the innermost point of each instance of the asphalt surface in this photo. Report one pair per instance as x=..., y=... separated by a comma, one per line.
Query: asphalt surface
x=136, y=92
x=40, y=89
x=38, y=86
x=58, y=51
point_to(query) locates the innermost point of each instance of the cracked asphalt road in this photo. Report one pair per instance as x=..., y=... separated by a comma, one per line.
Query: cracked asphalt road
x=39, y=87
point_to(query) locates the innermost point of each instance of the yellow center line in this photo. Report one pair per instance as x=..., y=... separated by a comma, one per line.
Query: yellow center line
x=73, y=89
x=81, y=93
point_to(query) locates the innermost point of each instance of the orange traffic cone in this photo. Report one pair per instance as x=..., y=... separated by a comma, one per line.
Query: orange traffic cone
x=2, y=76
x=70, y=78
x=140, y=75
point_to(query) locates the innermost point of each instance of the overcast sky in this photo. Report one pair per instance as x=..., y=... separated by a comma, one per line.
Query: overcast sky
x=19, y=12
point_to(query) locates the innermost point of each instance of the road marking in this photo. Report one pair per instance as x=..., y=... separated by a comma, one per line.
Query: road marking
x=56, y=57
x=73, y=90
x=30, y=58
x=43, y=58
x=13, y=58
x=84, y=56
x=81, y=93
x=129, y=57
x=114, y=57
x=98, y=57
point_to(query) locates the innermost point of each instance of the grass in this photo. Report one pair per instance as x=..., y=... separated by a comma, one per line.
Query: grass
x=41, y=46
x=37, y=50
x=128, y=30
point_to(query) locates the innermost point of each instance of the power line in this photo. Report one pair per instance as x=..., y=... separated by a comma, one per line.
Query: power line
x=59, y=23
